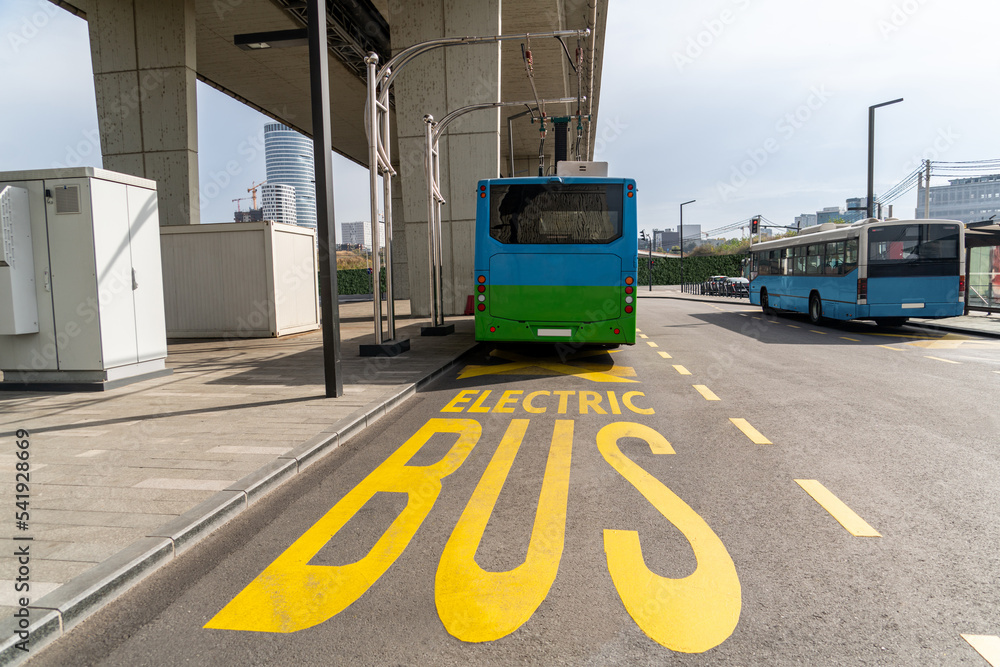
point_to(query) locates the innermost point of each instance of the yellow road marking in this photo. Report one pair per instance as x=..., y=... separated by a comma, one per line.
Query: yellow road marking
x=706, y=392
x=524, y=365
x=794, y=327
x=819, y=332
x=651, y=343
x=987, y=645
x=749, y=431
x=894, y=349
x=851, y=339
x=642, y=335
x=479, y=606
x=854, y=524
x=638, y=330
x=682, y=370
x=291, y=594
x=691, y=614
x=664, y=355
x=756, y=318
x=947, y=361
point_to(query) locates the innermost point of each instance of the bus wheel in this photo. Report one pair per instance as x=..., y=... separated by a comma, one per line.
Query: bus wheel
x=765, y=305
x=891, y=321
x=815, y=308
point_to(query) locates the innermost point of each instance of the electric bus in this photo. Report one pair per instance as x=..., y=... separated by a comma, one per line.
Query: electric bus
x=882, y=270
x=556, y=260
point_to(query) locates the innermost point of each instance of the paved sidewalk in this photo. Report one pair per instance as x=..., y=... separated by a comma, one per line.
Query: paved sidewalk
x=974, y=324
x=128, y=478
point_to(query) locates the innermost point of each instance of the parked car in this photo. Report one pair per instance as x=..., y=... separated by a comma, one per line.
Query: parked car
x=713, y=286
x=738, y=287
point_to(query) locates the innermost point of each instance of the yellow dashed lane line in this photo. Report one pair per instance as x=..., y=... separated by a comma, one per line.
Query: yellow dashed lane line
x=854, y=524
x=749, y=431
x=894, y=349
x=682, y=370
x=850, y=339
x=819, y=332
x=947, y=361
x=651, y=343
x=706, y=392
x=642, y=335
x=664, y=354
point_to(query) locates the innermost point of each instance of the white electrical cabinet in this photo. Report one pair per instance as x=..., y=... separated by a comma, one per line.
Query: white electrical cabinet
x=97, y=282
x=240, y=280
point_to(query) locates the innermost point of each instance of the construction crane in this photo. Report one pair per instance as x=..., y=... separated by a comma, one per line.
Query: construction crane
x=238, y=202
x=253, y=190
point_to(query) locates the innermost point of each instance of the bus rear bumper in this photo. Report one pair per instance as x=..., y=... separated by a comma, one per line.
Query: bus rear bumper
x=555, y=332
x=921, y=310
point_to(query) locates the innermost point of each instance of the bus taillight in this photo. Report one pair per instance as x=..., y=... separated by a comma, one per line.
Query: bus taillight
x=961, y=288
x=862, y=288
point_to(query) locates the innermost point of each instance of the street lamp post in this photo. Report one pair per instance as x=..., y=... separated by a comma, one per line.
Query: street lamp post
x=870, y=208
x=681, y=239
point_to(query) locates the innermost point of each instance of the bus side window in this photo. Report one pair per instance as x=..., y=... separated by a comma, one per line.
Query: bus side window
x=814, y=259
x=834, y=264
x=798, y=261
x=851, y=256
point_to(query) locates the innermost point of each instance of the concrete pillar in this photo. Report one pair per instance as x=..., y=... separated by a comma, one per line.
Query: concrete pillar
x=143, y=54
x=437, y=83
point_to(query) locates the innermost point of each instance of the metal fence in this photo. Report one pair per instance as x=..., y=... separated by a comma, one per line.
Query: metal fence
x=718, y=288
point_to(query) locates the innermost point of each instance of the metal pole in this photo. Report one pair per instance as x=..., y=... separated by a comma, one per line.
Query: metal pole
x=326, y=228
x=390, y=302
x=682, y=236
x=870, y=208
x=431, y=205
x=372, y=62
x=927, y=192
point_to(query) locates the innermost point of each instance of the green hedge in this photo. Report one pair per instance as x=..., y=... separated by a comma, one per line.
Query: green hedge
x=356, y=281
x=667, y=270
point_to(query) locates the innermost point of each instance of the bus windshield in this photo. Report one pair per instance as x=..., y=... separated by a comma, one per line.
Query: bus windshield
x=918, y=249
x=556, y=213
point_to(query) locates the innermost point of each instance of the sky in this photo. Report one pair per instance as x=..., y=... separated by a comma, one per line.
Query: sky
x=749, y=107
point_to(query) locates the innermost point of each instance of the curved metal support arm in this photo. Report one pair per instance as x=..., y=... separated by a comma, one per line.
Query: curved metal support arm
x=388, y=73
x=441, y=125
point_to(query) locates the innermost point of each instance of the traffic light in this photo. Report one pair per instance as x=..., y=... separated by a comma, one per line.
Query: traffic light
x=754, y=224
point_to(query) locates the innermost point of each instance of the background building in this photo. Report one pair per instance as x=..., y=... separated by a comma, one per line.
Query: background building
x=965, y=199
x=356, y=233
x=279, y=203
x=288, y=158
x=805, y=220
x=253, y=215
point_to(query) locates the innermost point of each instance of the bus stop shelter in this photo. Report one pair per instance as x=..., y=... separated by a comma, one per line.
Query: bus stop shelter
x=982, y=266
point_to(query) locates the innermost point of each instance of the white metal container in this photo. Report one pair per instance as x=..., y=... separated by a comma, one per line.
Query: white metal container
x=98, y=284
x=244, y=280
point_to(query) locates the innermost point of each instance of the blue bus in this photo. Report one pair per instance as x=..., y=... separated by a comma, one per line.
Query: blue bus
x=882, y=270
x=556, y=260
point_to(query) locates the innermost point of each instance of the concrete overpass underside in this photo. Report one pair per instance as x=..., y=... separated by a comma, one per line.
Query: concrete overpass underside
x=148, y=54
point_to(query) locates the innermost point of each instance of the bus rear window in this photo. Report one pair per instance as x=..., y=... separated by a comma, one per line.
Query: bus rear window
x=912, y=243
x=556, y=213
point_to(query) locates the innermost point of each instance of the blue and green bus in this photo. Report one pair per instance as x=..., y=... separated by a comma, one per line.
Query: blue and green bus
x=882, y=270
x=556, y=260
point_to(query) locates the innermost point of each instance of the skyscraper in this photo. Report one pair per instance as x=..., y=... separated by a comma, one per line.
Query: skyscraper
x=288, y=158
x=278, y=202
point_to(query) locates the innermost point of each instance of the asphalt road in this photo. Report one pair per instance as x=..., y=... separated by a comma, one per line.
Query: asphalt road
x=590, y=524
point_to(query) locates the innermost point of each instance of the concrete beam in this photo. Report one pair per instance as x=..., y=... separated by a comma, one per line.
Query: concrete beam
x=436, y=83
x=145, y=73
